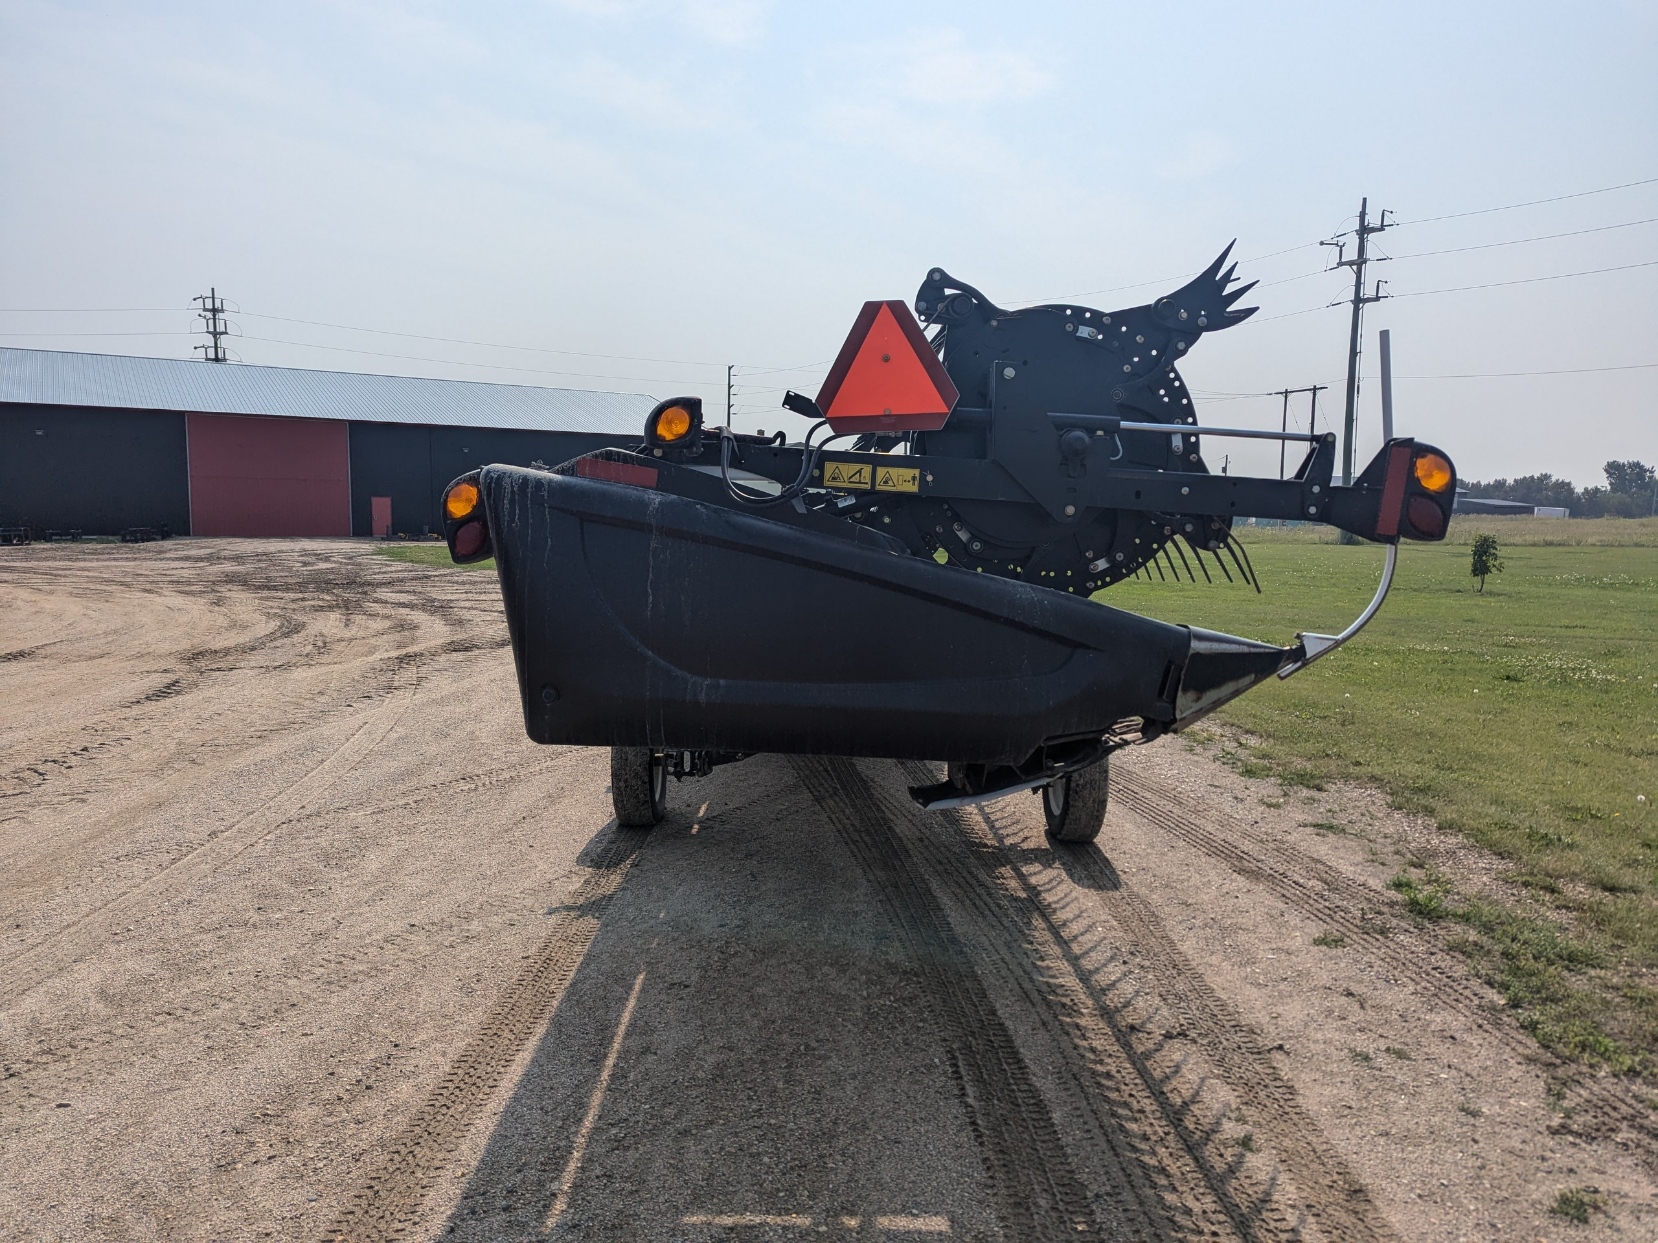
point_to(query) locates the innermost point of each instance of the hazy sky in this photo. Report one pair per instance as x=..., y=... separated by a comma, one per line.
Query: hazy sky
x=605, y=182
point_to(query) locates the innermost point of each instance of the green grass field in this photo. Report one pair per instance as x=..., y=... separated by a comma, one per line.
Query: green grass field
x=1525, y=718
x=434, y=554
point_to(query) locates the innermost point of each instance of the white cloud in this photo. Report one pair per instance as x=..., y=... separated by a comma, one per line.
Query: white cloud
x=729, y=22
x=662, y=101
x=1201, y=153
x=725, y=21
x=939, y=67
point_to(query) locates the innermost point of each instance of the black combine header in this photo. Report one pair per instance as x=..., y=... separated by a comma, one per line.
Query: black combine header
x=916, y=583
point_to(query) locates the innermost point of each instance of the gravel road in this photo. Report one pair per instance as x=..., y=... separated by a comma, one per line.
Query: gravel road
x=301, y=938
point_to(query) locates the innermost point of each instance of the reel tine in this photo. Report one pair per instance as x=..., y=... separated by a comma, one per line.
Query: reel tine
x=1216, y=554
x=1174, y=571
x=1188, y=564
x=1160, y=576
x=1236, y=548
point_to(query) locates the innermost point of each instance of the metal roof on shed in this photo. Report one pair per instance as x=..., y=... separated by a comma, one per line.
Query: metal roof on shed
x=125, y=382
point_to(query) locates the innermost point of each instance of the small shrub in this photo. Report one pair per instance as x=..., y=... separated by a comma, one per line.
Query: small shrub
x=1330, y=940
x=1485, y=559
x=1424, y=900
x=1577, y=1203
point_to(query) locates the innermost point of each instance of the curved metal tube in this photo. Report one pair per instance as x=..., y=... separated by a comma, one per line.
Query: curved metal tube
x=1315, y=645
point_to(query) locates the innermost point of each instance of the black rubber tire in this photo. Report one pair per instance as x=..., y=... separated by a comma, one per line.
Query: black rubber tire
x=638, y=786
x=1074, y=805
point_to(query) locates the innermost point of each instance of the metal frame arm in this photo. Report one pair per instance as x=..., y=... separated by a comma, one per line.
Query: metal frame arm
x=1307, y=498
x=1315, y=645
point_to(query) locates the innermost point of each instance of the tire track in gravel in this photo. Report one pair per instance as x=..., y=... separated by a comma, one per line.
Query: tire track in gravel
x=30, y=967
x=1331, y=1193
x=465, y=783
x=1322, y=892
x=1033, y=1184
x=1123, y=1101
x=334, y=589
x=389, y=1202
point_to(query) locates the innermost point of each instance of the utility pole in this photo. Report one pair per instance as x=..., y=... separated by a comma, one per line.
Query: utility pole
x=1387, y=385
x=1312, y=415
x=212, y=314
x=728, y=395
x=1360, y=300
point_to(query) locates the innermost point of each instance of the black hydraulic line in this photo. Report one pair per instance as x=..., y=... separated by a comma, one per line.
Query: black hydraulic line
x=808, y=464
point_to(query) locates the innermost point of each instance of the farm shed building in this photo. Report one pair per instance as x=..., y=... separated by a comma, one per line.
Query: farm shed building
x=101, y=442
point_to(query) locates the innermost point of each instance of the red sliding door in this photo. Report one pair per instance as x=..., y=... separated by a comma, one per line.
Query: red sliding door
x=268, y=476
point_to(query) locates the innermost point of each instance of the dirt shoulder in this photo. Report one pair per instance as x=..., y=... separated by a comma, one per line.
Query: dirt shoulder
x=300, y=938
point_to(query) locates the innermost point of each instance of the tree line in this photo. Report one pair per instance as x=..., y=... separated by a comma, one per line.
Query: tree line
x=1629, y=492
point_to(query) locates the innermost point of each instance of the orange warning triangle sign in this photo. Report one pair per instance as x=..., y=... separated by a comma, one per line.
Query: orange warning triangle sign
x=886, y=377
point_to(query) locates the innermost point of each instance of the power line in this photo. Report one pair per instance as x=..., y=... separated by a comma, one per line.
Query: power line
x=1530, y=280
x=1393, y=221
x=1546, y=237
x=493, y=345
x=191, y=333
x=1559, y=198
x=385, y=332
x=1325, y=306
x=1497, y=375
x=1165, y=280
x=451, y=362
x=496, y=345
x=1215, y=395
x=86, y=310
x=1423, y=293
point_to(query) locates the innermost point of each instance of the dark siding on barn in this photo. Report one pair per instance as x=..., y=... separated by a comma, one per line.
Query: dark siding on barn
x=97, y=470
x=412, y=464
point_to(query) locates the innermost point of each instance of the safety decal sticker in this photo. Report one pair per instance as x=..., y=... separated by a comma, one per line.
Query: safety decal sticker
x=898, y=479
x=846, y=475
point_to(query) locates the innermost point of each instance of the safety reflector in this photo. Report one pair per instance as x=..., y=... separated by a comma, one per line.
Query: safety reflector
x=887, y=378
x=1393, y=490
x=616, y=472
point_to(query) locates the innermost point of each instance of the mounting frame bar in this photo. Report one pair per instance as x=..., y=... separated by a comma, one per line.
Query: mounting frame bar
x=1315, y=645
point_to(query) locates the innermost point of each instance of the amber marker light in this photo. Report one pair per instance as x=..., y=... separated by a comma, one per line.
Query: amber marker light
x=1433, y=472
x=461, y=500
x=673, y=424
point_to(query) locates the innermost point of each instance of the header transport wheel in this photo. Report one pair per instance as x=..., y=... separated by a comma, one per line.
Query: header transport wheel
x=1074, y=805
x=638, y=786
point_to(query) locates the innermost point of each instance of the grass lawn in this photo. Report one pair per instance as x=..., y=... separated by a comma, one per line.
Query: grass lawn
x=433, y=554
x=1525, y=718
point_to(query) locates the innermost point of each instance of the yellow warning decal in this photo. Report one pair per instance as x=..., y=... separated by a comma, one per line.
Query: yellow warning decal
x=846, y=475
x=898, y=479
